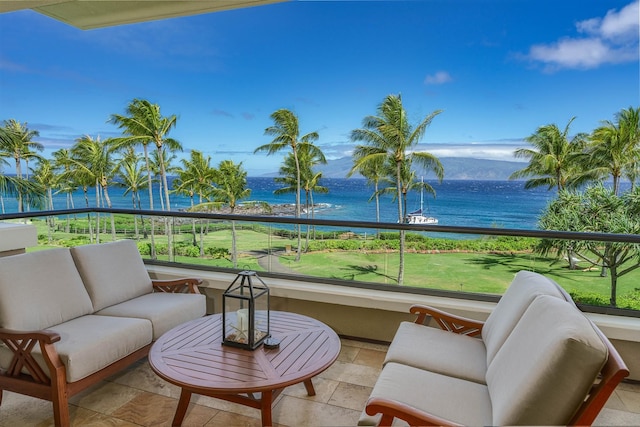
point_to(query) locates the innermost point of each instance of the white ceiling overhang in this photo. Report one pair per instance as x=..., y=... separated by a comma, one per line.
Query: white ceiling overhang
x=89, y=14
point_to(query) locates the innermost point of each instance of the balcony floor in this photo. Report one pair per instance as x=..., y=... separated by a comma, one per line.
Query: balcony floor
x=137, y=397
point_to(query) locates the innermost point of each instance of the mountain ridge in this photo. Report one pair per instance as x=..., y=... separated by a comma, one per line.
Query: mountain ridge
x=459, y=168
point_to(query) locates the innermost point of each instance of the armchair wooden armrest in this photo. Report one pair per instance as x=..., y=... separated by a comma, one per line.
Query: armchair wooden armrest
x=21, y=343
x=447, y=321
x=177, y=285
x=391, y=409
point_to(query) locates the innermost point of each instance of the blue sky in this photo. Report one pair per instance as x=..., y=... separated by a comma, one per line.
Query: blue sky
x=497, y=68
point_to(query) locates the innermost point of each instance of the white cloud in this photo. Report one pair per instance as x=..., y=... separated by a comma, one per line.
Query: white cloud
x=502, y=152
x=608, y=40
x=438, y=78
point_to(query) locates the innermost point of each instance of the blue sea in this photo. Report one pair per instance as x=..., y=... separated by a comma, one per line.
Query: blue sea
x=466, y=203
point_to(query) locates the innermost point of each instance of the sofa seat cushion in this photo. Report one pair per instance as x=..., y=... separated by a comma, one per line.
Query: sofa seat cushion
x=439, y=351
x=546, y=367
x=164, y=310
x=524, y=288
x=112, y=272
x=90, y=343
x=41, y=289
x=460, y=401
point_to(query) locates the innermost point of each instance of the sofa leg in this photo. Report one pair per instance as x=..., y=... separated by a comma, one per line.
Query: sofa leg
x=61, y=411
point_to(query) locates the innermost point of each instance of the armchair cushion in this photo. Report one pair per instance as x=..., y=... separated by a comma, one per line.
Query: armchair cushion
x=550, y=361
x=524, y=288
x=457, y=400
x=164, y=310
x=41, y=289
x=439, y=351
x=112, y=272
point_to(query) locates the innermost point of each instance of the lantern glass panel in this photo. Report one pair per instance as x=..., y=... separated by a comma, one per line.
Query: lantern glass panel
x=246, y=311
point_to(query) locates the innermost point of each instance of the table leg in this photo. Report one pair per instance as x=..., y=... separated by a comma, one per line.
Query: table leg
x=309, y=386
x=266, y=402
x=183, y=404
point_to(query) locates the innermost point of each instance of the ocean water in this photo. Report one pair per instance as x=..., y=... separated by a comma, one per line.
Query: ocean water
x=501, y=204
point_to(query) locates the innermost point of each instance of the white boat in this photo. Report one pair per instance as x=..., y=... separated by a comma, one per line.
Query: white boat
x=418, y=217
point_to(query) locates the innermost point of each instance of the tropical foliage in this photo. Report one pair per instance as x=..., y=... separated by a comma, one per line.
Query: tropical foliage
x=597, y=209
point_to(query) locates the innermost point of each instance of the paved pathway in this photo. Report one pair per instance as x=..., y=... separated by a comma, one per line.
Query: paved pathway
x=271, y=262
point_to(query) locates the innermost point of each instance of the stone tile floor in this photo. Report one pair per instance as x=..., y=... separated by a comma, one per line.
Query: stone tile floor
x=137, y=397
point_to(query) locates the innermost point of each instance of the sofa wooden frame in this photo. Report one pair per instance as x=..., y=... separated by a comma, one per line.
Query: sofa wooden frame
x=52, y=385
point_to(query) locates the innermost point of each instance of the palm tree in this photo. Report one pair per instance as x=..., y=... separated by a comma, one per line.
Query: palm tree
x=390, y=137
x=133, y=179
x=555, y=160
x=614, y=148
x=309, y=179
x=63, y=164
x=195, y=177
x=373, y=173
x=17, y=143
x=230, y=188
x=143, y=124
x=44, y=175
x=286, y=133
x=93, y=158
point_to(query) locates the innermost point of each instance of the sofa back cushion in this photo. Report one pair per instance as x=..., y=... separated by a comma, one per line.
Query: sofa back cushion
x=112, y=272
x=41, y=289
x=546, y=367
x=524, y=288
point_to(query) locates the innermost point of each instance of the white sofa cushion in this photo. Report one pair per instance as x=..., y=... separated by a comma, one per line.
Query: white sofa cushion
x=524, y=288
x=439, y=351
x=41, y=289
x=164, y=310
x=545, y=368
x=460, y=401
x=90, y=343
x=112, y=272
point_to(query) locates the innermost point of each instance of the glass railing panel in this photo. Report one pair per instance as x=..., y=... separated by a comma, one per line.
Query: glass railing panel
x=436, y=260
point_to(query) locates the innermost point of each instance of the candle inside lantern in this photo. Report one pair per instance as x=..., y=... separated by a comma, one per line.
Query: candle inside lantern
x=243, y=321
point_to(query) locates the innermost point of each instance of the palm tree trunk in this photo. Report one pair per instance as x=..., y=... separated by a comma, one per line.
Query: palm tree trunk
x=169, y=231
x=299, y=249
x=193, y=221
x=113, y=223
x=306, y=204
x=150, y=183
x=400, y=216
x=201, y=228
x=234, y=254
x=86, y=201
x=98, y=204
x=377, y=207
x=19, y=175
x=135, y=218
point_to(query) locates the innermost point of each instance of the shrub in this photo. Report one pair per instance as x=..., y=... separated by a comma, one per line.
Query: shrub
x=144, y=248
x=217, y=253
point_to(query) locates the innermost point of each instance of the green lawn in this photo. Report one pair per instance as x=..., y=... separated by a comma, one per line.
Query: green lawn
x=479, y=272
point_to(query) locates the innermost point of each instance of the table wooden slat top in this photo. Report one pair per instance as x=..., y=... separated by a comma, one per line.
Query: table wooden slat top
x=192, y=355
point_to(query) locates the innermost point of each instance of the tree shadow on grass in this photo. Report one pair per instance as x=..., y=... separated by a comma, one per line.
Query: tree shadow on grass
x=515, y=263
x=353, y=271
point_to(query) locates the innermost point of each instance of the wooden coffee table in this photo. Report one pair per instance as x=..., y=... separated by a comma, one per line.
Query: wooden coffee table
x=192, y=356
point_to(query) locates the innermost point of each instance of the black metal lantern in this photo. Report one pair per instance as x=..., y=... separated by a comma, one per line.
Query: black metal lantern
x=245, y=312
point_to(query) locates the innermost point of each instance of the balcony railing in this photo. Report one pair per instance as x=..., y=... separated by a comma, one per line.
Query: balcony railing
x=460, y=262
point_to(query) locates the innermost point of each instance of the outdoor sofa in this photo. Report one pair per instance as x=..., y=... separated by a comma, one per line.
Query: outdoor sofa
x=72, y=317
x=537, y=360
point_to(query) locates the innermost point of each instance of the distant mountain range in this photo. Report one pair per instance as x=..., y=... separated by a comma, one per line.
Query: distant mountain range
x=454, y=168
